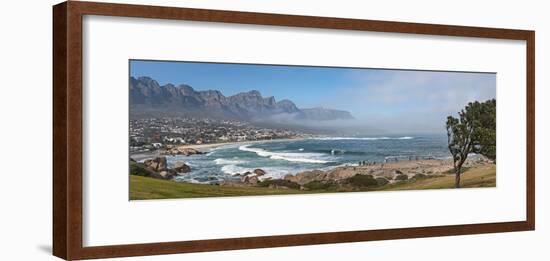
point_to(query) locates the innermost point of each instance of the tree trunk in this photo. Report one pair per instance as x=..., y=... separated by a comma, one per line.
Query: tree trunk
x=457, y=177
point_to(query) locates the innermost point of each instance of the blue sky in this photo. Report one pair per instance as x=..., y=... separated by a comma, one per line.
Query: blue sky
x=411, y=101
x=306, y=86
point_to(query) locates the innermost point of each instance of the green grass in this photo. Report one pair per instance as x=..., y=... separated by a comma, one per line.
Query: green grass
x=484, y=176
x=150, y=188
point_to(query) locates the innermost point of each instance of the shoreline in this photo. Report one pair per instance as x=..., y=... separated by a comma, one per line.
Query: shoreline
x=388, y=170
x=151, y=154
x=146, y=188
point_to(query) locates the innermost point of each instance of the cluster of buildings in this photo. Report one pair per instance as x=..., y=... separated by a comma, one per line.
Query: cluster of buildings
x=155, y=133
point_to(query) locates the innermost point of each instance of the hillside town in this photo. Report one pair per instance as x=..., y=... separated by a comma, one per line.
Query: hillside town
x=156, y=133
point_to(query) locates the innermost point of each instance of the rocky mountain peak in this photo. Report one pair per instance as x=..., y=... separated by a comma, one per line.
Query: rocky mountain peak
x=148, y=97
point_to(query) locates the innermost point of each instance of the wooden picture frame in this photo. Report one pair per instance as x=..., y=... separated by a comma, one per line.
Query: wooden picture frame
x=68, y=145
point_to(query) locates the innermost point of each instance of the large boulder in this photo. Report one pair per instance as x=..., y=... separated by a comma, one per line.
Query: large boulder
x=168, y=174
x=306, y=176
x=156, y=164
x=139, y=169
x=259, y=172
x=154, y=168
x=341, y=173
x=251, y=180
x=187, y=151
x=181, y=167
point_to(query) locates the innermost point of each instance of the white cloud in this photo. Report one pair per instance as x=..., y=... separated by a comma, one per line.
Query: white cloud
x=413, y=101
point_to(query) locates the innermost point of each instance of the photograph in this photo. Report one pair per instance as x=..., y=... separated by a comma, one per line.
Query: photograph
x=275, y=130
x=201, y=129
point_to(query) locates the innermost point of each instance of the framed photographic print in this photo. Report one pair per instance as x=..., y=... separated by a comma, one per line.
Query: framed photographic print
x=218, y=130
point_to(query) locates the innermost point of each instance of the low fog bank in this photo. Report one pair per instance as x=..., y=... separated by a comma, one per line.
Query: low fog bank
x=354, y=127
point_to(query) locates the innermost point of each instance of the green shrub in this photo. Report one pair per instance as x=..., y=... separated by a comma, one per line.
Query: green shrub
x=452, y=171
x=420, y=176
x=382, y=181
x=138, y=170
x=280, y=183
x=318, y=185
x=401, y=177
x=362, y=181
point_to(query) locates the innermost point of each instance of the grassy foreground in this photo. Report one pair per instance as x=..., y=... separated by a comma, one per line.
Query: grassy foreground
x=483, y=176
x=150, y=188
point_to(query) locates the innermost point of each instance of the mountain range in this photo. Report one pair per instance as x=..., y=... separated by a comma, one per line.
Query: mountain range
x=148, y=98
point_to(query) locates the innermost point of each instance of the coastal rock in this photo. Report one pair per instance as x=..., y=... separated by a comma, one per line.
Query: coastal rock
x=341, y=173
x=172, y=151
x=336, y=174
x=181, y=167
x=156, y=164
x=139, y=169
x=168, y=174
x=252, y=180
x=259, y=172
x=187, y=151
x=182, y=150
x=306, y=176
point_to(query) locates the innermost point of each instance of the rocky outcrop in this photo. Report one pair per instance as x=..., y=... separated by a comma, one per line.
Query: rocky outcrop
x=157, y=168
x=168, y=174
x=307, y=176
x=354, y=178
x=182, y=150
x=139, y=169
x=259, y=172
x=181, y=167
x=156, y=164
x=336, y=174
x=250, y=179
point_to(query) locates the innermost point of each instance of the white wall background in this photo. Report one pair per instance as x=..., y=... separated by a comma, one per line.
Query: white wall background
x=25, y=132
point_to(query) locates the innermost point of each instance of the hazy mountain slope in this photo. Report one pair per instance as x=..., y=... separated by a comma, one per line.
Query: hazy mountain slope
x=148, y=99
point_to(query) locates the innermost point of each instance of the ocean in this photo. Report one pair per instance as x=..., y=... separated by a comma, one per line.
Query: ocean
x=279, y=158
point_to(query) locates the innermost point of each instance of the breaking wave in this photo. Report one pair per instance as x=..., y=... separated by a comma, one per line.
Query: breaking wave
x=288, y=156
x=271, y=172
x=364, y=138
x=229, y=161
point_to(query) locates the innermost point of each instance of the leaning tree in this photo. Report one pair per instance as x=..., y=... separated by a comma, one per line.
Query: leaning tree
x=473, y=131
